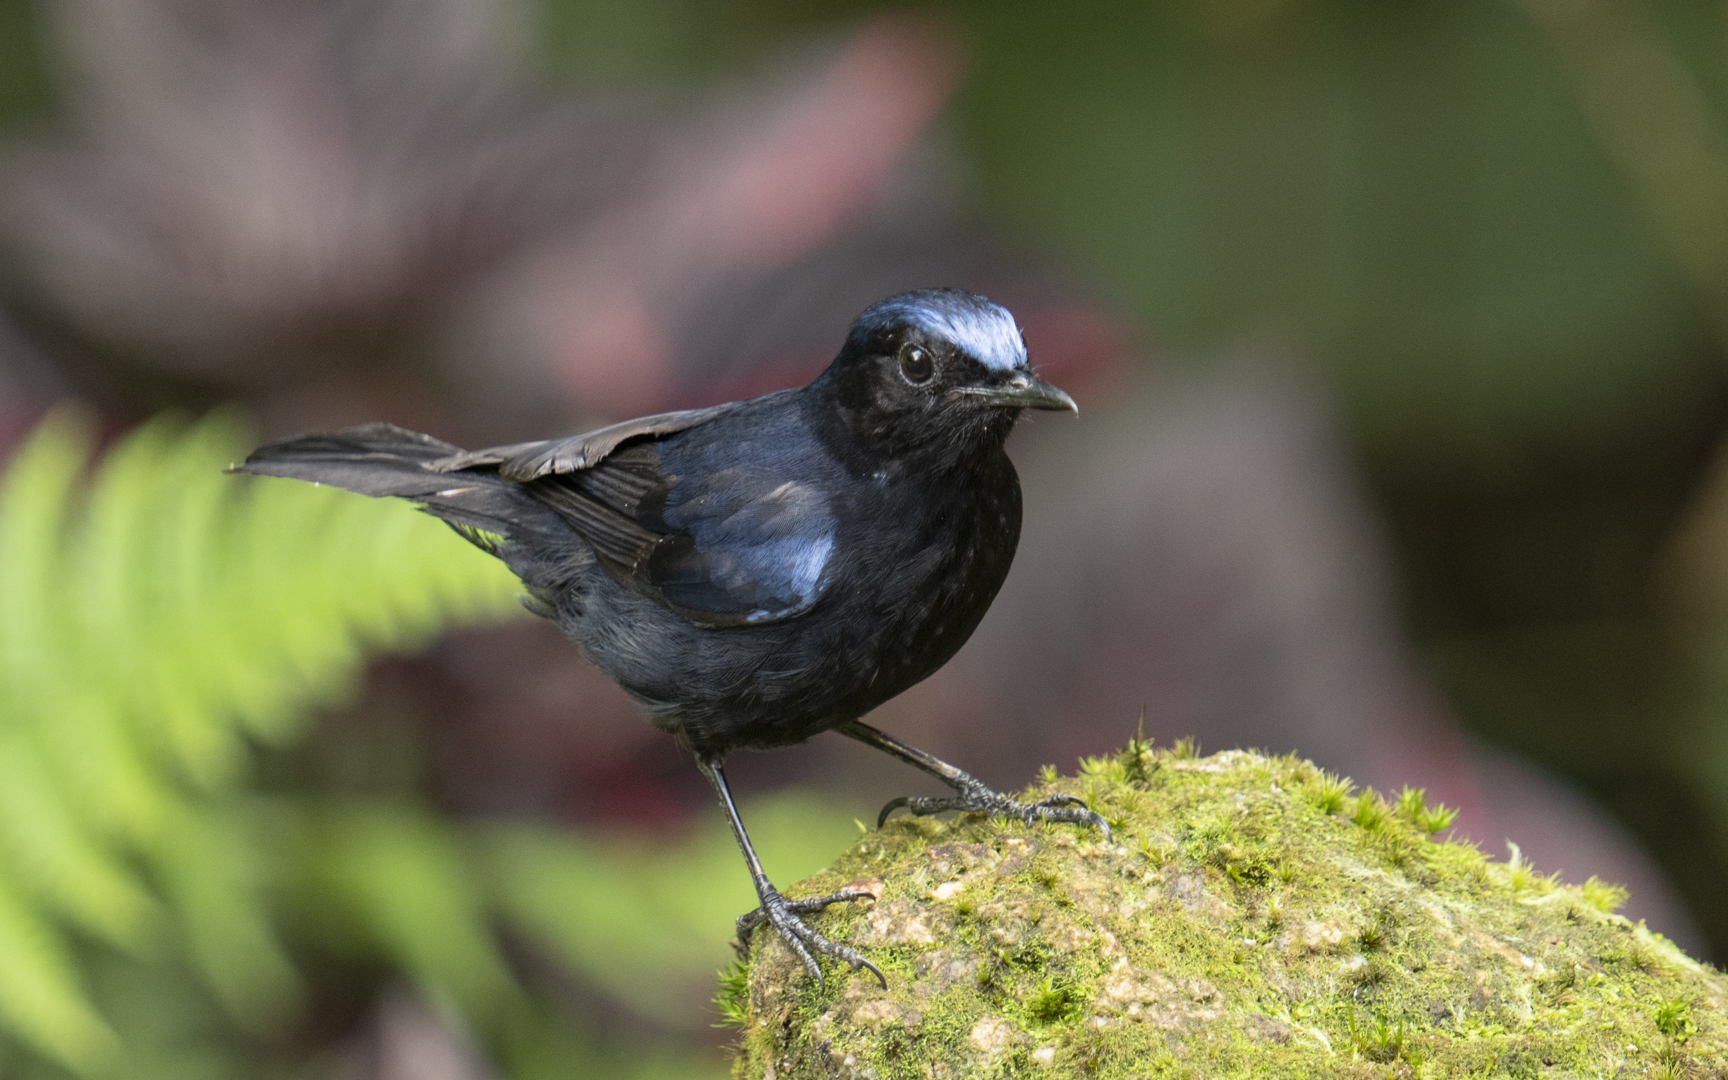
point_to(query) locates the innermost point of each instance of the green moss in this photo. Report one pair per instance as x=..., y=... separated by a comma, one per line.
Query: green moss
x=1055, y=1000
x=1673, y=1018
x=1253, y=917
x=1603, y=896
x=732, y=997
x=1413, y=807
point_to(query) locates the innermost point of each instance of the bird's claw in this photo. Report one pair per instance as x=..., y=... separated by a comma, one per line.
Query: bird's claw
x=977, y=798
x=783, y=915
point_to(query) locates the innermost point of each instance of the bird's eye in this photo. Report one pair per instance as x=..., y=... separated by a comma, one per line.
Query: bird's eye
x=915, y=364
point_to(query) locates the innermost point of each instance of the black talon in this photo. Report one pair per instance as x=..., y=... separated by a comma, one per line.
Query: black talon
x=749, y=921
x=893, y=805
x=977, y=798
x=783, y=914
x=1084, y=816
x=970, y=793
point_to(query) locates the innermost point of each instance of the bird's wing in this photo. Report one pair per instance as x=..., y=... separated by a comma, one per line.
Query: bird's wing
x=745, y=548
x=722, y=547
x=533, y=460
x=719, y=544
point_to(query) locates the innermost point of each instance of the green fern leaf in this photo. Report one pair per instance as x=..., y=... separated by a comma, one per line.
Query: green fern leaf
x=153, y=623
x=413, y=885
x=40, y=995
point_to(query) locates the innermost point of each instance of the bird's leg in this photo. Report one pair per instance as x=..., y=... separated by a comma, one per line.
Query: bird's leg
x=970, y=792
x=778, y=910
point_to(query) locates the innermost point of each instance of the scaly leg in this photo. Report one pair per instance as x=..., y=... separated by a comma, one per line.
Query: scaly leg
x=778, y=910
x=971, y=793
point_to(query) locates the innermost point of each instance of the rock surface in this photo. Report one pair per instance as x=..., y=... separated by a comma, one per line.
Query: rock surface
x=1251, y=918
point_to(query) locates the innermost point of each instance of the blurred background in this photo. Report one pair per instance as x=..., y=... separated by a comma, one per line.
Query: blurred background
x=1399, y=335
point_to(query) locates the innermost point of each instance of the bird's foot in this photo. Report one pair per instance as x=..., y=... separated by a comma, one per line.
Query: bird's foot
x=971, y=795
x=783, y=915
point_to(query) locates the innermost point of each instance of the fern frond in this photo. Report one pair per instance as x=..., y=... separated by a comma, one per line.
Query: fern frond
x=152, y=623
x=413, y=884
x=40, y=995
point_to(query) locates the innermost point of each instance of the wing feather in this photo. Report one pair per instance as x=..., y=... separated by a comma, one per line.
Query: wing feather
x=612, y=535
x=719, y=546
x=532, y=460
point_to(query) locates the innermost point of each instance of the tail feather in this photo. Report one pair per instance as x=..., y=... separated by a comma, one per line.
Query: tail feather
x=373, y=459
x=383, y=460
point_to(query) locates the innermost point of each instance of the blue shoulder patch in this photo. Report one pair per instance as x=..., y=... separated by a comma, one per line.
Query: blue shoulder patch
x=753, y=553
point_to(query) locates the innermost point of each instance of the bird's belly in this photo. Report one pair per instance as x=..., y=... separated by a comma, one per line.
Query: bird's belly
x=841, y=663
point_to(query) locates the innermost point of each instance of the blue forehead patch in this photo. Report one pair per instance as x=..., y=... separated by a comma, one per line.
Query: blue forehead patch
x=983, y=330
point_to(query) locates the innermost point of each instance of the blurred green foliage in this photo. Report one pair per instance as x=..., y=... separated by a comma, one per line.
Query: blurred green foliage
x=162, y=912
x=154, y=626
x=25, y=90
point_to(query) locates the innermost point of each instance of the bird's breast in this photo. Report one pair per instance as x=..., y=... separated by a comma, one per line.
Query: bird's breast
x=927, y=554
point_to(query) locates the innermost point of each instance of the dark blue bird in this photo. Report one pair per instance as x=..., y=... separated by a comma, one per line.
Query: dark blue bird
x=764, y=570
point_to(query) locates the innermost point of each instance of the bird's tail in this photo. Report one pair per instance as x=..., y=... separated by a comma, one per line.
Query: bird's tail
x=384, y=460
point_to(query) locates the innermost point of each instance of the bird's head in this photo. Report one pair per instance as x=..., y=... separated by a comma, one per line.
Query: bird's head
x=936, y=365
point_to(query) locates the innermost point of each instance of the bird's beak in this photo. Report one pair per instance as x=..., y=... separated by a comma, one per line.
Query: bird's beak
x=1022, y=391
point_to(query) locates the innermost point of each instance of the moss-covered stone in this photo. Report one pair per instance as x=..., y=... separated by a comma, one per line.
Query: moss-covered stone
x=1252, y=918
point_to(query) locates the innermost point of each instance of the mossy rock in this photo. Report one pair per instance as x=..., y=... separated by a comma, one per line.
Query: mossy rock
x=1251, y=918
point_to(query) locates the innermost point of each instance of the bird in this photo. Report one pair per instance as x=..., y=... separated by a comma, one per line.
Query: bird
x=758, y=572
